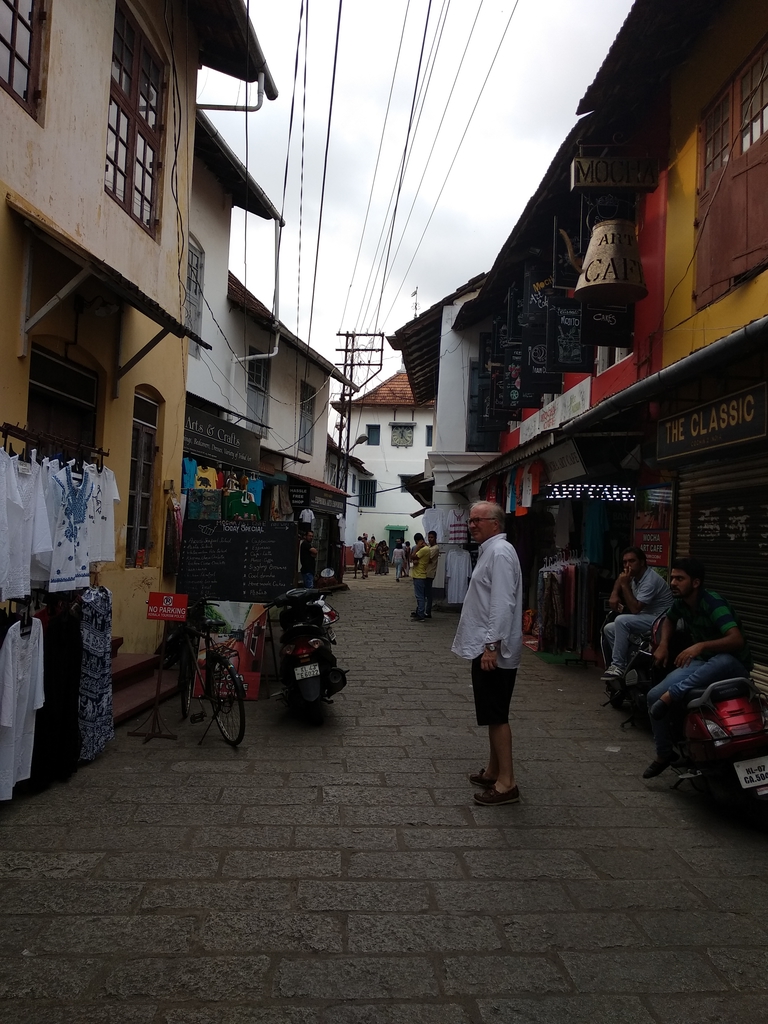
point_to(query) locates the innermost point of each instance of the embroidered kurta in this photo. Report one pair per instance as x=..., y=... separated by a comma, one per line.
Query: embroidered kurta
x=69, y=562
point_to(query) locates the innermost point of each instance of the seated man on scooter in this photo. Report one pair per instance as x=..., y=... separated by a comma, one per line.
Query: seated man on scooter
x=640, y=595
x=719, y=651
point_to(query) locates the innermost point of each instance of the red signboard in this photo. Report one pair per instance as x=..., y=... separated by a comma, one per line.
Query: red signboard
x=168, y=607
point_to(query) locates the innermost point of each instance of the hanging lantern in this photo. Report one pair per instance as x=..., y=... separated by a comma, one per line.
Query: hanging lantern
x=612, y=273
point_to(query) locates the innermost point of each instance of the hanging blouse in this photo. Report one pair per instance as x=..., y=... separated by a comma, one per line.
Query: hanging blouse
x=21, y=694
x=9, y=495
x=101, y=515
x=29, y=533
x=69, y=563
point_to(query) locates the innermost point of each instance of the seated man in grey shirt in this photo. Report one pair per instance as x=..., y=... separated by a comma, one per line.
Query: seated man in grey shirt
x=640, y=595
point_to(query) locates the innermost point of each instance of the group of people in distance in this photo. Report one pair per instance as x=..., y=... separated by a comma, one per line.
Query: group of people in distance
x=366, y=553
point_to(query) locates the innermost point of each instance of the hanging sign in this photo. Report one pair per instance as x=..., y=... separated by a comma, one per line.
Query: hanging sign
x=216, y=442
x=565, y=352
x=733, y=420
x=536, y=379
x=607, y=326
x=167, y=607
x=536, y=280
x=588, y=172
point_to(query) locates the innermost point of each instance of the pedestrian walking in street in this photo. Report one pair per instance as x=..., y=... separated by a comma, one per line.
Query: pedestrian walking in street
x=358, y=553
x=398, y=558
x=490, y=635
x=434, y=555
x=419, y=562
x=407, y=562
x=382, y=557
x=308, y=560
x=366, y=558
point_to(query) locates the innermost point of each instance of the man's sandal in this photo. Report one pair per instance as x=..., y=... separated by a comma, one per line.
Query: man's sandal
x=493, y=798
x=481, y=779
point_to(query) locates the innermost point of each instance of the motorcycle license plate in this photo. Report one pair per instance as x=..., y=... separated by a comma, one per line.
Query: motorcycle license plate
x=752, y=773
x=307, y=671
x=331, y=634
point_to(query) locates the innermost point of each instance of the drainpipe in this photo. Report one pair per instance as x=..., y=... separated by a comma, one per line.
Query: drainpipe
x=273, y=353
x=233, y=106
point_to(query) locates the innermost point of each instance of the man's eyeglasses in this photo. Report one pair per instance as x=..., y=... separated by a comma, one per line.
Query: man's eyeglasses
x=480, y=519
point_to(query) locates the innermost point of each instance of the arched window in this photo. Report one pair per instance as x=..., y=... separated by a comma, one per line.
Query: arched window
x=143, y=444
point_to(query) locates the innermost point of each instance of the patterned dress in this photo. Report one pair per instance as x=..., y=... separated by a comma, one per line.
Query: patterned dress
x=97, y=726
x=69, y=562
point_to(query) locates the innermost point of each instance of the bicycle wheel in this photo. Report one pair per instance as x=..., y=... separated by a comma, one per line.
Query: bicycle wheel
x=228, y=702
x=186, y=676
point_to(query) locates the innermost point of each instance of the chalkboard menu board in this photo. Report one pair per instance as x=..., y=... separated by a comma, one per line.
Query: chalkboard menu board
x=565, y=351
x=237, y=561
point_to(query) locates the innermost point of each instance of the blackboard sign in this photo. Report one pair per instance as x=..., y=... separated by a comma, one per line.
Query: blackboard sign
x=237, y=561
x=537, y=281
x=565, y=352
x=535, y=377
x=607, y=326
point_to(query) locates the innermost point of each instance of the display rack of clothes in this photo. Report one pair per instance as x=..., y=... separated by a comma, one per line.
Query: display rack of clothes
x=564, y=587
x=57, y=524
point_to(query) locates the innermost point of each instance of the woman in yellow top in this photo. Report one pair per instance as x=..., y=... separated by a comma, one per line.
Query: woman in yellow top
x=419, y=561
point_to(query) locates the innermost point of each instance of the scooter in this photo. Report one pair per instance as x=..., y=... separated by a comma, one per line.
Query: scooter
x=309, y=674
x=721, y=738
x=641, y=673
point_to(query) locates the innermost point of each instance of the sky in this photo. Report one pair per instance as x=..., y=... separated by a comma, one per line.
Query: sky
x=478, y=94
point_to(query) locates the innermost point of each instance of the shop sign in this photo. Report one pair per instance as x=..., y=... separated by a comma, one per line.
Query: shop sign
x=589, y=172
x=299, y=495
x=575, y=401
x=212, y=440
x=563, y=463
x=565, y=351
x=326, y=501
x=167, y=607
x=733, y=420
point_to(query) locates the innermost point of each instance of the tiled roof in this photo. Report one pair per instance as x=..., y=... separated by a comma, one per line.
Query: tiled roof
x=395, y=392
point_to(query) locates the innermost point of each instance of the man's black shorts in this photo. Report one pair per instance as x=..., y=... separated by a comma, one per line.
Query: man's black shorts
x=493, y=693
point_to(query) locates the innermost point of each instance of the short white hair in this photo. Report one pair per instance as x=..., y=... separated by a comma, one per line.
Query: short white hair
x=493, y=511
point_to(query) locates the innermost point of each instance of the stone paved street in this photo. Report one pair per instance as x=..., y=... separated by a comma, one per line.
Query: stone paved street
x=342, y=875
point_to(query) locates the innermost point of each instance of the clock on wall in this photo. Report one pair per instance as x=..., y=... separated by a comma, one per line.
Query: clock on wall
x=402, y=436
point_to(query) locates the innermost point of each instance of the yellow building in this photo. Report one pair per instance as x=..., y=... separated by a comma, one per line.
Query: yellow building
x=97, y=104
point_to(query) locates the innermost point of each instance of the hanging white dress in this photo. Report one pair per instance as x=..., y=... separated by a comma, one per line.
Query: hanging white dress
x=21, y=694
x=458, y=569
x=9, y=495
x=69, y=562
x=29, y=533
x=101, y=514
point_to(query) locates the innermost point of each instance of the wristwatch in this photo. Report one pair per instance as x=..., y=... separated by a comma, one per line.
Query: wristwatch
x=491, y=648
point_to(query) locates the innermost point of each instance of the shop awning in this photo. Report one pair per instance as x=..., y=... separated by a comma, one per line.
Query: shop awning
x=403, y=528
x=506, y=461
x=91, y=266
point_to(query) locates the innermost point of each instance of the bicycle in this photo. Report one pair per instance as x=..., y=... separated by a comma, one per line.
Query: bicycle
x=221, y=684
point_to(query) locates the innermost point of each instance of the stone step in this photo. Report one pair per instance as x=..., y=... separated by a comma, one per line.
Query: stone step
x=139, y=695
x=132, y=668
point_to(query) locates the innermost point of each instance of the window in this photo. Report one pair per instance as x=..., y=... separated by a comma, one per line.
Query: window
x=374, y=433
x=428, y=439
x=138, y=538
x=717, y=139
x=62, y=398
x=20, y=31
x=732, y=216
x=258, y=392
x=133, y=129
x=367, y=494
x=306, y=418
x=754, y=103
x=193, y=301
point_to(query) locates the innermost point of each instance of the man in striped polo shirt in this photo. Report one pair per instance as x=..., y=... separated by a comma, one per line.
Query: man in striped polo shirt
x=719, y=651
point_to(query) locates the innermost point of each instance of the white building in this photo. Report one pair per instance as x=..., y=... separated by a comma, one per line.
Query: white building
x=399, y=438
x=256, y=374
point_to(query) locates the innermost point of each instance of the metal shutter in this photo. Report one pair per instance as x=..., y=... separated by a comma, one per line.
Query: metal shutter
x=722, y=519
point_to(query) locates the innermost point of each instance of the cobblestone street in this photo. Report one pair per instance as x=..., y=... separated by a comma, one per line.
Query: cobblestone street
x=343, y=875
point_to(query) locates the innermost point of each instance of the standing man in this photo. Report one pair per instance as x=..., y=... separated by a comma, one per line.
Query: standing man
x=434, y=554
x=419, y=562
x=640, y=595
x=358, y=551
x=490, y=635
x=308, y=560
x=719, y=651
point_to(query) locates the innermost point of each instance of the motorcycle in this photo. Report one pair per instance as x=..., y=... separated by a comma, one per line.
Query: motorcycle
x=309, y=673
x=721, y=739
x=632, y=688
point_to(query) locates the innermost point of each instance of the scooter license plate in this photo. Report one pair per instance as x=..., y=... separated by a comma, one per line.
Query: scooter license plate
x=330, y=633
x=307, y=671
x=752, y=773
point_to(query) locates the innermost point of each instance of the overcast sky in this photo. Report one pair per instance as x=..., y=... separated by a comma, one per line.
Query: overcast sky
x=546, y=60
